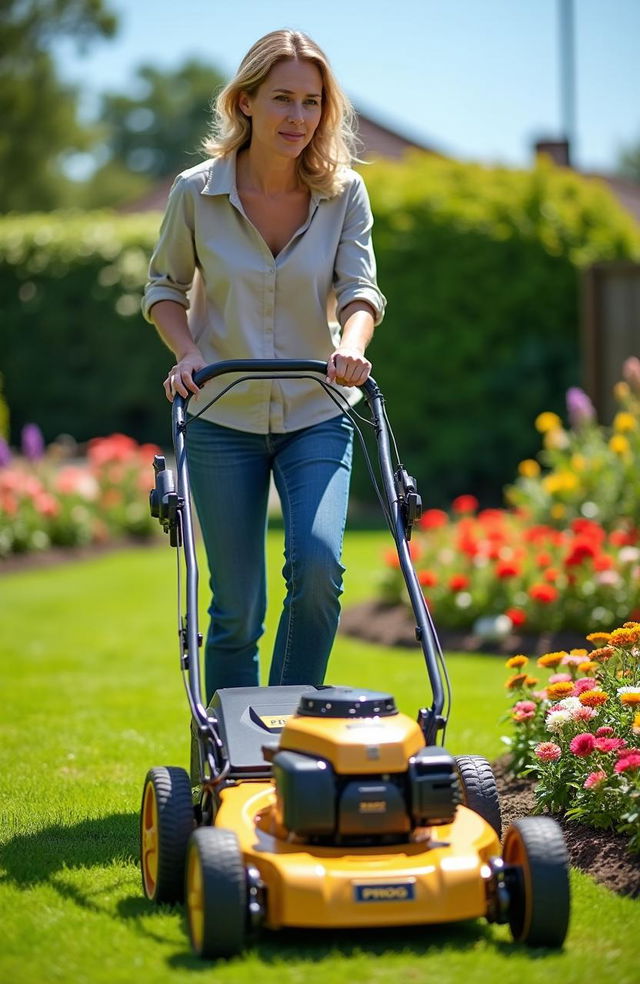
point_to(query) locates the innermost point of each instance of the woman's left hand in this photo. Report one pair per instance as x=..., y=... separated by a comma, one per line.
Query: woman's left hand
x=348, y=366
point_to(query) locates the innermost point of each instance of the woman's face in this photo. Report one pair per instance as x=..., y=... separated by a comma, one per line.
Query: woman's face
x=285, y=111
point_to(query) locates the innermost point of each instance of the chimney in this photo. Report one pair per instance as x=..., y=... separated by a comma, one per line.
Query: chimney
x=557, y=150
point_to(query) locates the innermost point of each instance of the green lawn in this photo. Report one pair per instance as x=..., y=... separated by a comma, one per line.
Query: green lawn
x=92, y=697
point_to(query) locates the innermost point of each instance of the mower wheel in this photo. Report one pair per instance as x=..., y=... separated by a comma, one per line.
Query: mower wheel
x=537, y=878
x=166, y=823
x=479, y=790
x=216, y=893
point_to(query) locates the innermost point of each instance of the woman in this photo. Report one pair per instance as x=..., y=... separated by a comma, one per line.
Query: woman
x=256, y=242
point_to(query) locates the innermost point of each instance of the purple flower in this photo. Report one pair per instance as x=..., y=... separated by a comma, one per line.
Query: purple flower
x=32, y=442
x=580, y=408
x=5, y=453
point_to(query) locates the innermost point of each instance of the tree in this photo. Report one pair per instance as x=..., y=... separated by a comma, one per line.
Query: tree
x=154, y=134
x=629, y=164
x=38, y=111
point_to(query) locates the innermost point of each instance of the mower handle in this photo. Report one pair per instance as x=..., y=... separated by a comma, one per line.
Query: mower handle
x=274, y=368
x=269, y=367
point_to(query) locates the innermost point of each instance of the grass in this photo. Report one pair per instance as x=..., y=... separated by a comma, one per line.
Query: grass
x=91, y=698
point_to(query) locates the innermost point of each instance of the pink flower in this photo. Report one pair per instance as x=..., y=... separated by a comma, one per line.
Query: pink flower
x=560, y=678
x=583, y=745
x=585, y=683
x=548, y=751
x=583, y=714
x=609, y=744
x=604, y=732
x=523, y=710
x=629, y=761
x=594, y=779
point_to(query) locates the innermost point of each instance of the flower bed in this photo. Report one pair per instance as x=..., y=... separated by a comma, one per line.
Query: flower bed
x=578, y=732
x=565, y=553
x=496, y=572
x=51, y=497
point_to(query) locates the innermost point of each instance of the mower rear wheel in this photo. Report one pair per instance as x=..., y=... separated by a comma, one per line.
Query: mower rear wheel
x=166, y=823
x=479, y=790
x=216, y=893
x=537, y=877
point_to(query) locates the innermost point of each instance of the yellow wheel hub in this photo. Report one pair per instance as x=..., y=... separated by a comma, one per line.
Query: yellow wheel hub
x=195, y=900
x=150, y=841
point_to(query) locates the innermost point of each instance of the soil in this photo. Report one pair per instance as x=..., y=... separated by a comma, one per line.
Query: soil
x=394, y=625
x=602, y=855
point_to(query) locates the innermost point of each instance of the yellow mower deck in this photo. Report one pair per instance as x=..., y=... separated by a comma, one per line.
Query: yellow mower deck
x=439, y=879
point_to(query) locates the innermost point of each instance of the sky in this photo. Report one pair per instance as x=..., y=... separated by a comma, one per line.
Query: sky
x=475, y=79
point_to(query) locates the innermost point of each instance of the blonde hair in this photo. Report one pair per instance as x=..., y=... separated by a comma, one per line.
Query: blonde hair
x=321, y=164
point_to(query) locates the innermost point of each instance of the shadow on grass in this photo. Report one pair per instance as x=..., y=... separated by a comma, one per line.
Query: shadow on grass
x=42, y=857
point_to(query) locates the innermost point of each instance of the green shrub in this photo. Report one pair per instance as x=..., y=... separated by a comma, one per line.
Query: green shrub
x=481, y=267
x=481, y=270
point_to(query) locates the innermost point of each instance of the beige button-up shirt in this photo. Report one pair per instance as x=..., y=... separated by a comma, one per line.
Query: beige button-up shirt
x=244, y=303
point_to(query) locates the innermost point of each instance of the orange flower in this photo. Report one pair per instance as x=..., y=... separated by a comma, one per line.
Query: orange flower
x=593, y=698
x=625, y=637
x=598, y=637
x=556, y=691
x=551, y=659
x=515, y=662
x=635, y=727
x=631, y=699
x=531, y=681
x=517, y=680
x=602, y=655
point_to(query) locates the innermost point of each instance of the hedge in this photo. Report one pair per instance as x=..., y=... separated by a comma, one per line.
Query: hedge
x=480, y=267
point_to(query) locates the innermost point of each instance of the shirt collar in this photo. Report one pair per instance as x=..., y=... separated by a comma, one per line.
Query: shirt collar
x=222, y=179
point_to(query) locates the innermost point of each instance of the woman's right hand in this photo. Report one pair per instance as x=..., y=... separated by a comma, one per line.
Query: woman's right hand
x=180, y=377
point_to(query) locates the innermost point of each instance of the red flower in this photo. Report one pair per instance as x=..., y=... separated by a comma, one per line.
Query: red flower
x=543, y=559
x=623, y=538
x=458, y=582
x=465, y=504
x=609, y=744
x=629, y=761
x=428, y=579
x=431, y=519
x=582, y=549
x=517, y=616
x=551, y=575
x=583, y=745
x=507, y=569
x=603, y=562
x=544, y=593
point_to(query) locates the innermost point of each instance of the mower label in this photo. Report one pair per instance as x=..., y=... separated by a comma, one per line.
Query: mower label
x=389, y=892
x=274, y=722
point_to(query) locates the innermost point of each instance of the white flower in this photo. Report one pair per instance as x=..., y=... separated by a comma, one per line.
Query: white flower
x=628, y=555
x=629, y=690
x=566, y=704
x=557, y=720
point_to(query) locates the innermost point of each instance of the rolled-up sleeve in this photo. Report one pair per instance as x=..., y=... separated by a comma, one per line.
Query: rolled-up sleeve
x=355, y=265
x=173, y=263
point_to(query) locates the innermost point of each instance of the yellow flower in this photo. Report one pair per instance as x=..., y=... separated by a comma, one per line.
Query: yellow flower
x=624, y=422
x=515, y=662
x=622, y=392
x=552, y=659
x=561, y=481
x=529, y=468
x=635, y=727
x=556, y=691
x=619, y=444
x=578, y=462
x=558, y=511
x=598, y=637
x=589, y=666
x=547, y=421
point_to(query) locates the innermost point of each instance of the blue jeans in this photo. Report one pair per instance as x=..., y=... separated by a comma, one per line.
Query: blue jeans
x=230, y=472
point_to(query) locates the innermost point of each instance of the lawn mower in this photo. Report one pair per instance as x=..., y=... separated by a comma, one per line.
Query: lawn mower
x=326, y=807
